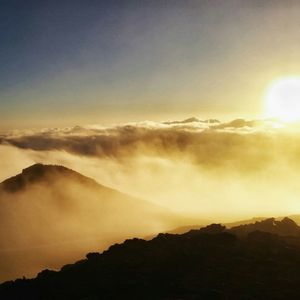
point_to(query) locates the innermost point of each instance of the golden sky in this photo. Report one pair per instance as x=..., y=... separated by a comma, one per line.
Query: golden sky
x=84, y=62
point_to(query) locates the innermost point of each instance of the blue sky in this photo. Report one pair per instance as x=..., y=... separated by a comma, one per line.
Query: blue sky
x=69, y=62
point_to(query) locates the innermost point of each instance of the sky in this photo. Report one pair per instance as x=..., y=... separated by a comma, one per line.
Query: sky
x=96, y=62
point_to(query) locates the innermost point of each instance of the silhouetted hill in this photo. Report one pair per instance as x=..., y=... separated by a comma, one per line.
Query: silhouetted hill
x=210, y=263
x=191, y=120
x=46, y=208
x=294, y=218
x=38, y=173
x=186, y=228
x=285, y=227
x=244, y=222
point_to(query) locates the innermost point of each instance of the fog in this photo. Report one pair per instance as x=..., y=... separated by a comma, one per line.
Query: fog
x=61, y=216
x=189, y=172
x=206, y=169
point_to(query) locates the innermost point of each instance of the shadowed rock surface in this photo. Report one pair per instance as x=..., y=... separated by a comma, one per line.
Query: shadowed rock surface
x=210, y=263
x=285, y=227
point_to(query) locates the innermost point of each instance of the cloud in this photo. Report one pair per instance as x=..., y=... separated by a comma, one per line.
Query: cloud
x=205, y=142
x=55, y=208
x=13, y=160
x=223, y=170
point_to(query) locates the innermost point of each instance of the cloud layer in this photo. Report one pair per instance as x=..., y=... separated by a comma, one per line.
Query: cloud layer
x=204, y=167
x=237, y=143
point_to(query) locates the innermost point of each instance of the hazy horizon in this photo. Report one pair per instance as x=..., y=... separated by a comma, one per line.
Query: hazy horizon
x=70, y=63
x=221, y=170
x=185, y=113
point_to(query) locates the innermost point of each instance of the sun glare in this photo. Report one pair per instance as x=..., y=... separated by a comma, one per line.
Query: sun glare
x=283, y=99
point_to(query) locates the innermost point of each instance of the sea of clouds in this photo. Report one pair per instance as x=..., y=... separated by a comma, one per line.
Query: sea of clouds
x=198, y=167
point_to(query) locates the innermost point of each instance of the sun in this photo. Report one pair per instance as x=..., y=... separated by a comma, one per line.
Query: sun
x=283, y=99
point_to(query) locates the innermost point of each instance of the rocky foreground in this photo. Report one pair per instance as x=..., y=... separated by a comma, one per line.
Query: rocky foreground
x=256, y=261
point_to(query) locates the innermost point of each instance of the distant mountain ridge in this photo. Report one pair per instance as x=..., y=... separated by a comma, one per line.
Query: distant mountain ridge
x=239, y=225
x=285, y=227
x=51, y=215
x=192, y=120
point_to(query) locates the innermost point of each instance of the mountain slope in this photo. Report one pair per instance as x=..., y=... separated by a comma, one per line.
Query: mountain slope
x=210, y=263
x=38, y=173
x=51, y=215
x=254, y=222
x=285, y=227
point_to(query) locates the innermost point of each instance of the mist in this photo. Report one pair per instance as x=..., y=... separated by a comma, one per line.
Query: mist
x=60, y=216
x=221, y=171
x=180, y=173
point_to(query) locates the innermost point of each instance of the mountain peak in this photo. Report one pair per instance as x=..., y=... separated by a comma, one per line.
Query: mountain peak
x=36, y=173
x=190, y=120
x=284, y=227
x=287, y=220
x=41, y=169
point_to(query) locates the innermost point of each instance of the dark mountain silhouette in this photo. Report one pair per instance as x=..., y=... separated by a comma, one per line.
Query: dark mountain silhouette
x=295, y=218
x=285, y=227
x=238, y=123
x=192, y=119
x=186, y=228
x=189, y=120
x=244, y=222
x=209, y=263
x=38, y=173
x=255, y=222
x=51, y=215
